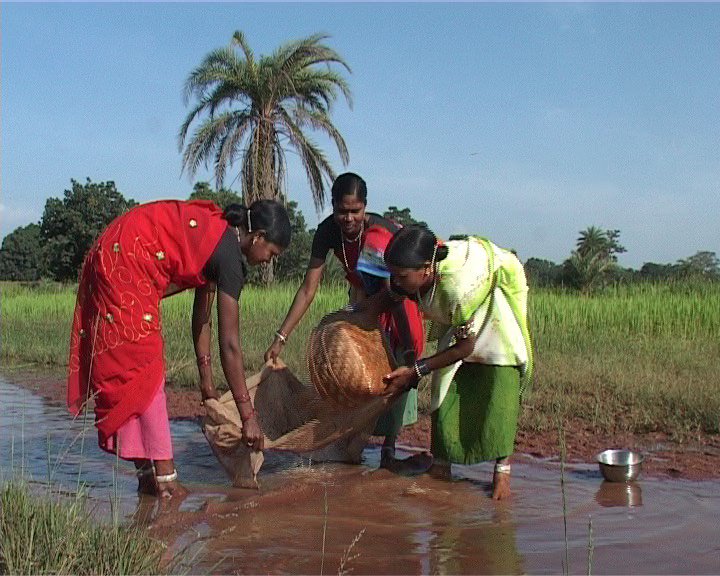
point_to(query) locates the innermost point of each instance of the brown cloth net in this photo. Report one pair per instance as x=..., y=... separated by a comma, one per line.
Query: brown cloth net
x=347, y=358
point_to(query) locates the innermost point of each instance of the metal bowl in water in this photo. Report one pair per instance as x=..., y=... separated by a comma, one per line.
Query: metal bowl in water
x=620, y=465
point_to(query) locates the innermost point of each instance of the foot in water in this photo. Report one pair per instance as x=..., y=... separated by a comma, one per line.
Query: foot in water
x=501, y=485
x=410, y=466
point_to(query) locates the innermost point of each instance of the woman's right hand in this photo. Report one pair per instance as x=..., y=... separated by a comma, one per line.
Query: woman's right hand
x=252, y=434
x=273, y=353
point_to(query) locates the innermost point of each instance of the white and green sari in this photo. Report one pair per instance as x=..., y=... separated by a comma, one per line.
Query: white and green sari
x=480, y=291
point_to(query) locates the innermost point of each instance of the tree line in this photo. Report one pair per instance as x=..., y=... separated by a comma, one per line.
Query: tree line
x=54, y=248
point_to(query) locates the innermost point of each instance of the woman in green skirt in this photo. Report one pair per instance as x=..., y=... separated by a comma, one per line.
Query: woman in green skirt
x=476, y=295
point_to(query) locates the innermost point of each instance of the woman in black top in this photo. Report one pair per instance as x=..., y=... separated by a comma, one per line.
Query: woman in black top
x=344, y=233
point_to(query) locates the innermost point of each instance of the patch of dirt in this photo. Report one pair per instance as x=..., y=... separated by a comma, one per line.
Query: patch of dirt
x=696, y=460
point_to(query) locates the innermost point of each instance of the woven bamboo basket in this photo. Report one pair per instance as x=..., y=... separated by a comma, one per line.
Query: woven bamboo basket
x=347, y=359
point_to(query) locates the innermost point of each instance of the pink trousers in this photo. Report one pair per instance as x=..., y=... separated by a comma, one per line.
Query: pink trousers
x=145, y=437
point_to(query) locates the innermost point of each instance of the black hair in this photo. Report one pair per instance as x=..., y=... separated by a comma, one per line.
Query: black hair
x=349, y=184
x=268, y=215
x=412, y=247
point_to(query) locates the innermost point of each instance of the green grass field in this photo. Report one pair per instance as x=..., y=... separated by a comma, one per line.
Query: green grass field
x=638, y=359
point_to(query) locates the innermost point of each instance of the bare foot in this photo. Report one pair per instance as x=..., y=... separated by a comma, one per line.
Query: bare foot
x=171, y=490
x=501, y=486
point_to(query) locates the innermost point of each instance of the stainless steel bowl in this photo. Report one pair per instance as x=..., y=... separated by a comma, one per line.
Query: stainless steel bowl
x=620, y=465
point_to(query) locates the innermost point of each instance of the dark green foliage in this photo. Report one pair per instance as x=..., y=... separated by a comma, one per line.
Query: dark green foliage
x=22, y=256
x=701, y=265
x=70, y=225
x=543, y=273
x=222, y=197
x=292, y=262
x=593, y=264
x=402, y=217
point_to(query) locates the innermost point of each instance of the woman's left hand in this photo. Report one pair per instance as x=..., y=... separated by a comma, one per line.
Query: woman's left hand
x=399, y=380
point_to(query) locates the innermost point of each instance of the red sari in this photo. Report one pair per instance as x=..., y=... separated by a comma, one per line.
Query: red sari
x=116, y=345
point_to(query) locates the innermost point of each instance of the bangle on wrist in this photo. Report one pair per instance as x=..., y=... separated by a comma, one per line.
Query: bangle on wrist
x=204, y=360
x=421, y=369
x=280, y=335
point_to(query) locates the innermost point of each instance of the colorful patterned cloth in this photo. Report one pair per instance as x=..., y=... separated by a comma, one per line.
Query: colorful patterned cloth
x=372, y=269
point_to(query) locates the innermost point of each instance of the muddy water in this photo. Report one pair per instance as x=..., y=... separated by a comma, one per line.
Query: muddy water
x=332, y=517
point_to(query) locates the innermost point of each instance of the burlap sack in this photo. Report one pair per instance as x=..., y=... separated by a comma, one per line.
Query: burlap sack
x=347, y=358
x=294, y=418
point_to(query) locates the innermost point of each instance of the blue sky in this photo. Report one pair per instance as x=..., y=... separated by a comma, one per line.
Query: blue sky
x=522, y=122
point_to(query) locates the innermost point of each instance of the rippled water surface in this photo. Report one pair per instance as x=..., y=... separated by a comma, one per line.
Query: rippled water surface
x=334, y=517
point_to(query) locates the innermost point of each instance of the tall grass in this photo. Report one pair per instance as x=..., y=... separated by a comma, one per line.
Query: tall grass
x=47, y=535
x=632, y=359
x=636, y=358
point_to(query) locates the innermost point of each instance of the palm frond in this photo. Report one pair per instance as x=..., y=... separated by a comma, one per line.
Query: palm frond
x=247, y=107
x=230, y=143
x=313, y=160
x=239, y=39
x=204, y=141
x=215, y=67
x=322, y=122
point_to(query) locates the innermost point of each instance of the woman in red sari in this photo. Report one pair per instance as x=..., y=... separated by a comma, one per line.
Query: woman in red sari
x=116, y=345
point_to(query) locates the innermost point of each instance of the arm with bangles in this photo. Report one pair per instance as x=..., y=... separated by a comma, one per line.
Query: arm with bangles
x=405, y=377
x=231, y=358
x=303, y=298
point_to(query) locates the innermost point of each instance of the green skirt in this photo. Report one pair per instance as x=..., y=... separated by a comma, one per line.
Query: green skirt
x=402, y=413
x=477, y=420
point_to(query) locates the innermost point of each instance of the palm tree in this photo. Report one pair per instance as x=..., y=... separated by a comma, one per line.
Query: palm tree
x=591, y=241
x=250, y=109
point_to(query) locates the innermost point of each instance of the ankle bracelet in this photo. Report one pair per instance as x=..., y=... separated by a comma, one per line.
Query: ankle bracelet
x=502, y=468
x=167, y=477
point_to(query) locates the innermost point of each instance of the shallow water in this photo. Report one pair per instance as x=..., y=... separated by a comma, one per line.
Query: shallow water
x=332, y=517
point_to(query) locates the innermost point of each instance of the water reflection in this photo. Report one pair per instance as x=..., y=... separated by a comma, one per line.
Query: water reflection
x=626, y=494
x=460, y=550
x=307, y=516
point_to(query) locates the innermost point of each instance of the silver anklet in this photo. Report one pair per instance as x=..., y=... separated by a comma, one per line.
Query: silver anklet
x=167, y=477
x=502, y=468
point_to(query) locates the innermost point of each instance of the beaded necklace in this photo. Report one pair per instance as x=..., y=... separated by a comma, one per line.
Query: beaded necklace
x=357, y=239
